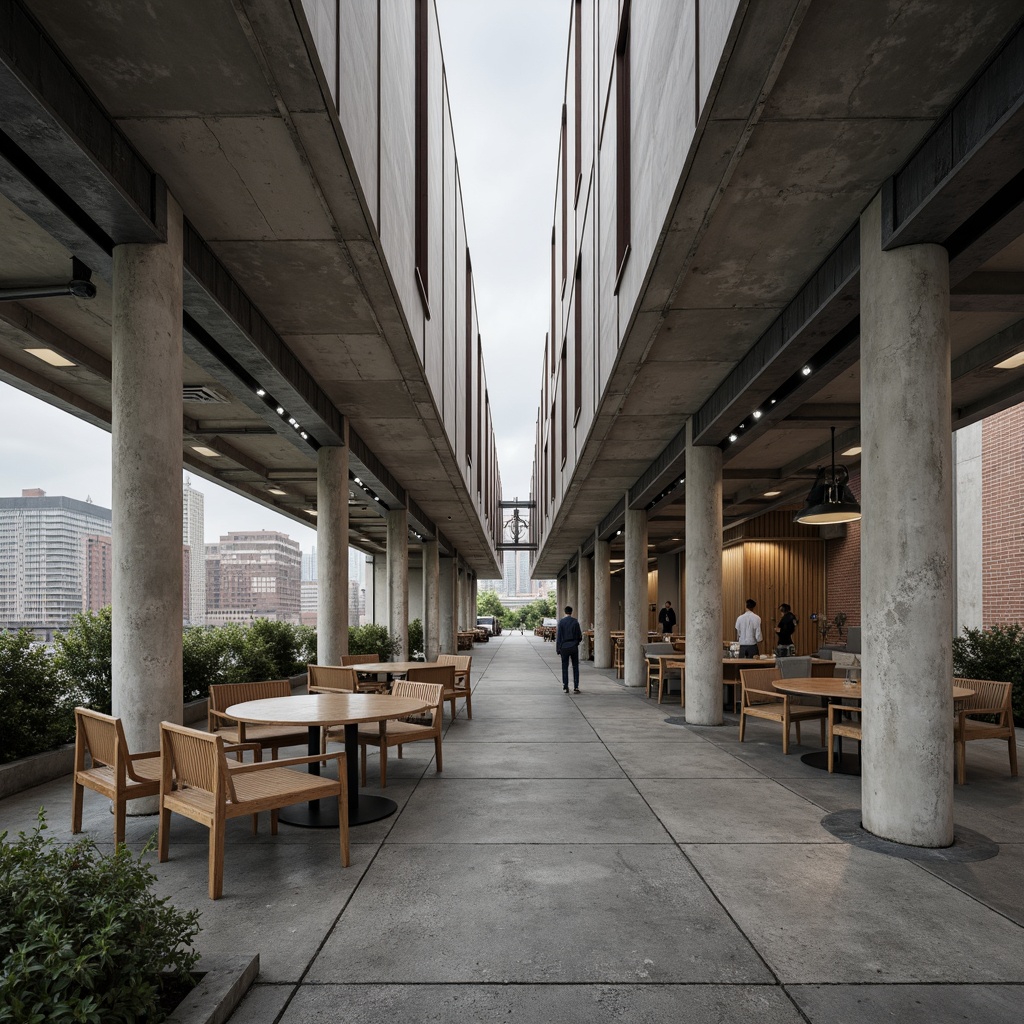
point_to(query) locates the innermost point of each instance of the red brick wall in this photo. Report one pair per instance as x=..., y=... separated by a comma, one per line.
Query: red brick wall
x=1002, y=469
x=842, y=569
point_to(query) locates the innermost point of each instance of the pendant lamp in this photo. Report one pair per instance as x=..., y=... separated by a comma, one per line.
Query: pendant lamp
x=830, y=499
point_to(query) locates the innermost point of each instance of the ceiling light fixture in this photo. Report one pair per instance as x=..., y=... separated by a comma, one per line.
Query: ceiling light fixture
x=1012, y=363
x=757, y=414
x=806, y=371
x=49, y=356
x=830, y=499
x=732, y=437
x=260, y=393
x=855, y=450
x=310, y=511
x=276, y=490
x=772, y=494
x=208, y=452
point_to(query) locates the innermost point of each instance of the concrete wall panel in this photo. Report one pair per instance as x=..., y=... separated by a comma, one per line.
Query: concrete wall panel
x=453, y=276
x=322, y=16
x=358, y=101
x=716, y=18
x=432, y=352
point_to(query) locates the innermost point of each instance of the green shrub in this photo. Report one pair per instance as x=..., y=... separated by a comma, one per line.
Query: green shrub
x=82, y=937
x=278, y=641
x=305, y=646
x=416, y=645
x=82, y=658
x=202, y=661
x=374, y=639
x=995, y=653
x=37, y=710
x=245, y=659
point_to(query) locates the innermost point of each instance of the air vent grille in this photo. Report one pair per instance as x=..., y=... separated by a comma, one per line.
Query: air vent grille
x=203, y=394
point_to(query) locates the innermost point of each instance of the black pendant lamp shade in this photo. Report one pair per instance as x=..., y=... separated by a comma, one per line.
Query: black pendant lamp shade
x=830, y=499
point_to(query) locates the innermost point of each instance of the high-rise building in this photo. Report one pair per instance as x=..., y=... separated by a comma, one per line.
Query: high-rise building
x=309, y=602
x=192, y=534
x=42, y=558
x=97, y=576
x=253, y=574
x=309, y=565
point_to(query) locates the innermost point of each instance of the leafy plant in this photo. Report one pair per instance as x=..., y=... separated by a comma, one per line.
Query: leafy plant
x=536, y=611
x=994, y=653
x=305, y=645
x=246, y=658
x=82, y=658
x=38, y=711
x=82, y=936
x=372, y=638
x=416, y=645
x=202, y=657
x=488, y=603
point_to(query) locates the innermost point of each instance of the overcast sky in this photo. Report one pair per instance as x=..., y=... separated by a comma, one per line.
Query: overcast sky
x=505, y=65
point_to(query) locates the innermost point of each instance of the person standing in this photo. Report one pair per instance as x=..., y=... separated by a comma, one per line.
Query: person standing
x=568, y=637
x=667, y=618
x=787, y=625
x=748, y=630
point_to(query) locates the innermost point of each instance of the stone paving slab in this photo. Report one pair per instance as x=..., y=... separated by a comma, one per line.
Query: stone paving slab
x=677, y=759
x=523, y=730
x=524, y=914
x=912, y=1004
x=532, y=761
x=834, y=914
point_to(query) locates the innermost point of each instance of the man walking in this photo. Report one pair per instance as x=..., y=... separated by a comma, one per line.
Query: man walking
x=667, y=618
x=748, y=630
x=568, y=637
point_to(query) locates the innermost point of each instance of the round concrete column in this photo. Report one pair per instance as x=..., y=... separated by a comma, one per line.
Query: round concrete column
x=586, y=591
x=431, y=599
x=448, y=588
x=572, y=590
x=561, y=595
x=146, y=361
x=398, y=577
x=602, y=604
x=703, y=584
x=474, y=595
x=906, y=540
x=380, y=590
x=636, y=596
x=332, y=555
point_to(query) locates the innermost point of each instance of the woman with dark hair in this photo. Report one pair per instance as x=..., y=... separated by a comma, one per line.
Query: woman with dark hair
x=787, y=625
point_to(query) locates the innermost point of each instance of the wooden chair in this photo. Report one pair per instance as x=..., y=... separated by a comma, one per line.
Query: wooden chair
x=331, y=679
x=462, y=686
x=657, y=672
x=990, y=698
x=112, y=772
x=198, y=782
x=359, y=659
x=269, y=737
x=618, y=655
x=760, y=699
x=838, y=726
x=398, y=732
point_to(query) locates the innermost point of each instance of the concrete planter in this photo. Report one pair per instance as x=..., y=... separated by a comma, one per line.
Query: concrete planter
x=226, y=980
x=35, y=770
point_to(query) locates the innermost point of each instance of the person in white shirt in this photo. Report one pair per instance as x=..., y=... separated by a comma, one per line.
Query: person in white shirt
x=748, y=630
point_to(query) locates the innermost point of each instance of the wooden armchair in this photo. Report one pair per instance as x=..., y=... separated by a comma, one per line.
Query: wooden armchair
x=198, y=782
x=272, y=737
x=112, y=771
x=838, y=726
x=990, y=698
x=331, y=679
x=398, y=732
x=365, y=682
x=760, y=699
x=461, y=686
x=659, y=672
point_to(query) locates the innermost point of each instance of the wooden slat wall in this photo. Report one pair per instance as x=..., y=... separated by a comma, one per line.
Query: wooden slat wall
x=792, y=571
x=734, y=589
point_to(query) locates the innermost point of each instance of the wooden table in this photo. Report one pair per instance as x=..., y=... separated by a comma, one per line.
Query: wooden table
x=319, y=710
x=828, y=689
x=389, y=668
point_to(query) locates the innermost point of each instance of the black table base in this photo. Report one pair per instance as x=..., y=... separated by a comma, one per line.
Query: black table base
x=362, y=809
x=847, y=764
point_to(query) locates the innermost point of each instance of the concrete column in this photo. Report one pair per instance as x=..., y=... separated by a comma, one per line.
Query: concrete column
x=448, y=591
x=968, y=531
x=572, y=593
x=703, y=584
x=602, y=604
x=380, y=590
x=561, y=595
x=431, y=600
x=636, y=596
x=474, y=594
x=586, y=591
x=332, y=555
x=906, y=540
x=398, y=577
x=146, y=487
x=462, y=592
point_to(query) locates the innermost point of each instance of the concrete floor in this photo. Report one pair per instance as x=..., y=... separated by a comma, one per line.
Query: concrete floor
x=582, y=860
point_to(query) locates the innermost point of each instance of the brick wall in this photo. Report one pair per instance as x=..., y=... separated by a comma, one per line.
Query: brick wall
x=842, y=568
x=1002, y=462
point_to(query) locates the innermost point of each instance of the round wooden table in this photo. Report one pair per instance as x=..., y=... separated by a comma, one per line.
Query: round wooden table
x=317, y=710
x=389, y=668
x=836, y=688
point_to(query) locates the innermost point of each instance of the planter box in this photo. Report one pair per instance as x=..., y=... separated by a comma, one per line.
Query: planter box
x=225, y=982
x=35, y=770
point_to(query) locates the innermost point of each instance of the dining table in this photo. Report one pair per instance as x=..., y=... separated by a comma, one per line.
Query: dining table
x=837, y=689
x=321, y=710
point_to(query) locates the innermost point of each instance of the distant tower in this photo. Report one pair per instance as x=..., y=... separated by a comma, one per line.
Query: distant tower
x=192, y=534
x=309, y=565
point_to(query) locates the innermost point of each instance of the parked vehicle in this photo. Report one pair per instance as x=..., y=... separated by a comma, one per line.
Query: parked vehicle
x=490, y=623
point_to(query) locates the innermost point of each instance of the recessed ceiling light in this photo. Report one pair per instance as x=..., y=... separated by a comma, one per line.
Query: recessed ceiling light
x=310, y=511
x=280, y=410
x=732, y=437
x=208, y=452
x=1012, y=363
x=260, y=392
x=757, y=414
x=855, y=450
x=676, y=538
x=49, y=356
x=276, y=490
x=772, y=494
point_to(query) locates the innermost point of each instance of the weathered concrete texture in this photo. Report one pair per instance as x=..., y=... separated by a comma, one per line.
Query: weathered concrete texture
x=146, y=366
x=380, y=590
x=936, y=1004
x=703, y=584
x=398, y=576
x=906, y=540
x=332, y=554
x=586, y=592
x=968, y=535
x=447, y=589
x=636, y=596
x=431, y=600
x=602, y=604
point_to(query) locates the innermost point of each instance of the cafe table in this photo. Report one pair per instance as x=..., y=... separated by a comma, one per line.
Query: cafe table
x=836, y=689
x=320, y=710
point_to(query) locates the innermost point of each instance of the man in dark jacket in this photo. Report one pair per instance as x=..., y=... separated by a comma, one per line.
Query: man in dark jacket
x=667, y=618
x=568, y=637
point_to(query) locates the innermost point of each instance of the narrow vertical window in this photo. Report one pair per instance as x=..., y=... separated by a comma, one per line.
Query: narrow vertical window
x=554, y=450
x=563, y=399
x=565, y=201
x=479, y=415
x=578, y=100
x=551, y=335
x=469, y=360
x=622, y=154
x=577, y=342
x=422, y=242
